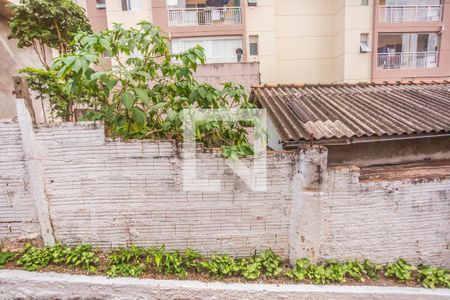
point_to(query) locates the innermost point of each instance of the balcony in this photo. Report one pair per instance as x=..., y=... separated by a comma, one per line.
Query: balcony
x=410, y=13
x=204, y=16
x=407, y=60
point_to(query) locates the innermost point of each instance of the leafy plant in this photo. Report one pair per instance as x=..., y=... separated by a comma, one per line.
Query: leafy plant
x=191, y=259
x=125, y=270
x=156, y=256
x=372, y=269
x=333, y=272
x=173, y=264
x=400, y=270
x=220, y=266
x=82, y=256
x=34, y=258
x=355, y=270
x=432, y=277
x=47, y=23
x=48, y=86
x=144, y=95
x=250, y=268
x=271, y=263
x=6, y=257
x=300, y=270
x=131, y=254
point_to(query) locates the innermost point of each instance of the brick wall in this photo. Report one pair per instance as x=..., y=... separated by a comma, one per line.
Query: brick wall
x=385, y=220
x=116, y=193
x=84, y=188
x=17, y=215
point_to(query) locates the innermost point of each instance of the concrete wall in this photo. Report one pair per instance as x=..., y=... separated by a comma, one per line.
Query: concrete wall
x=17, y=215
x=116, y=193
x=246, y=74
x=86, y=189
x=12, y=60
x=33, y=285
x=390, y=152
x=385, y=220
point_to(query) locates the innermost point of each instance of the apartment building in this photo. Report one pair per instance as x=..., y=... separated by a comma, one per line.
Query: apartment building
x=326, y=41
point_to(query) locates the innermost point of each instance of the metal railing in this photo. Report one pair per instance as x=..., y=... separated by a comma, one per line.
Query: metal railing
x=410, y=13
x=407, y=60
x=204, y=16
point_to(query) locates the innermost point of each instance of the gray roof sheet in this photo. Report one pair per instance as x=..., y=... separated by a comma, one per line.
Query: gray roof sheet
x=336, y=111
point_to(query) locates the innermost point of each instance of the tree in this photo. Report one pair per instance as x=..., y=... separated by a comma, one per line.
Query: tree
x=144, y=94
x=47, y=23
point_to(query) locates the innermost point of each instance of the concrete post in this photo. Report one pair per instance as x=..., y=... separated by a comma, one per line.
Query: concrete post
x=307, y=188
x=35, y=176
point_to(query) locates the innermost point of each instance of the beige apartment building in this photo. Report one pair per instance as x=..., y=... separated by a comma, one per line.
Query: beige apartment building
x=301, y=41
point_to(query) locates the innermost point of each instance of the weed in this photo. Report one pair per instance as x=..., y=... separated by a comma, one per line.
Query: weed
x=220, y=266
x=250, y=268
x=432, y=277
x=125, y=270
x=372, y=269
x=271, y=263
x=6, y=257
x=299, y=272
x=400, y=270
x=82, y=256
x=355, y=270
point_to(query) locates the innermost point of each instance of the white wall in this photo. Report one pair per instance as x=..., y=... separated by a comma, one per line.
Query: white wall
x=114, y=193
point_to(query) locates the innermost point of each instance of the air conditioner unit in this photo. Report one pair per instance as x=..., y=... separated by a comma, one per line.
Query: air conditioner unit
x=101, y=5
x=252, y=2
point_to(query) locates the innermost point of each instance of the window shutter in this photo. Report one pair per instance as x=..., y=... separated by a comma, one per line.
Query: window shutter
x=124, y=5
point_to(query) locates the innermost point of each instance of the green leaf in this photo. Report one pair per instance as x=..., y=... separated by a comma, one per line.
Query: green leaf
x=138, y=115
x=158, y=106
x=128, y=100
x=142, y=94
x=143, y=74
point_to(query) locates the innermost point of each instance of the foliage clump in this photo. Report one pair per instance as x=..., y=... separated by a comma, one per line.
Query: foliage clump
x=136, y=261
x=47, y=23
x=399, y=270
x=6, y=257
x=432, y=277
x=147, y=92
x=83, y=256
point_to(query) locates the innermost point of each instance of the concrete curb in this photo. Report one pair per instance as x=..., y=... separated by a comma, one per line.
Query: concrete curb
x=17, y=284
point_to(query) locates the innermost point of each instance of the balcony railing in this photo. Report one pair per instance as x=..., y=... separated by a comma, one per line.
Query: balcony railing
x=407, y=60
x=410, y=13
x=204, y=16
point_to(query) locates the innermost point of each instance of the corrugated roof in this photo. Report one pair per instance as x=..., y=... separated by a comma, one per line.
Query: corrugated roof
x=343, y=111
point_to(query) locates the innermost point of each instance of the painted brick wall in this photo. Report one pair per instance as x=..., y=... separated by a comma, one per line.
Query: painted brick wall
x=17, y=214
x=385, y=220
x=115, y=193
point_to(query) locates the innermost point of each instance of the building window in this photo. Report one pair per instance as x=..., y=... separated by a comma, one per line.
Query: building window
x=397, y=11
x=101, y=4
x=364, y=2
x=364, y=43
x=407, y=50
x=253, y=39
x=217, y=49
x=131, y=4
